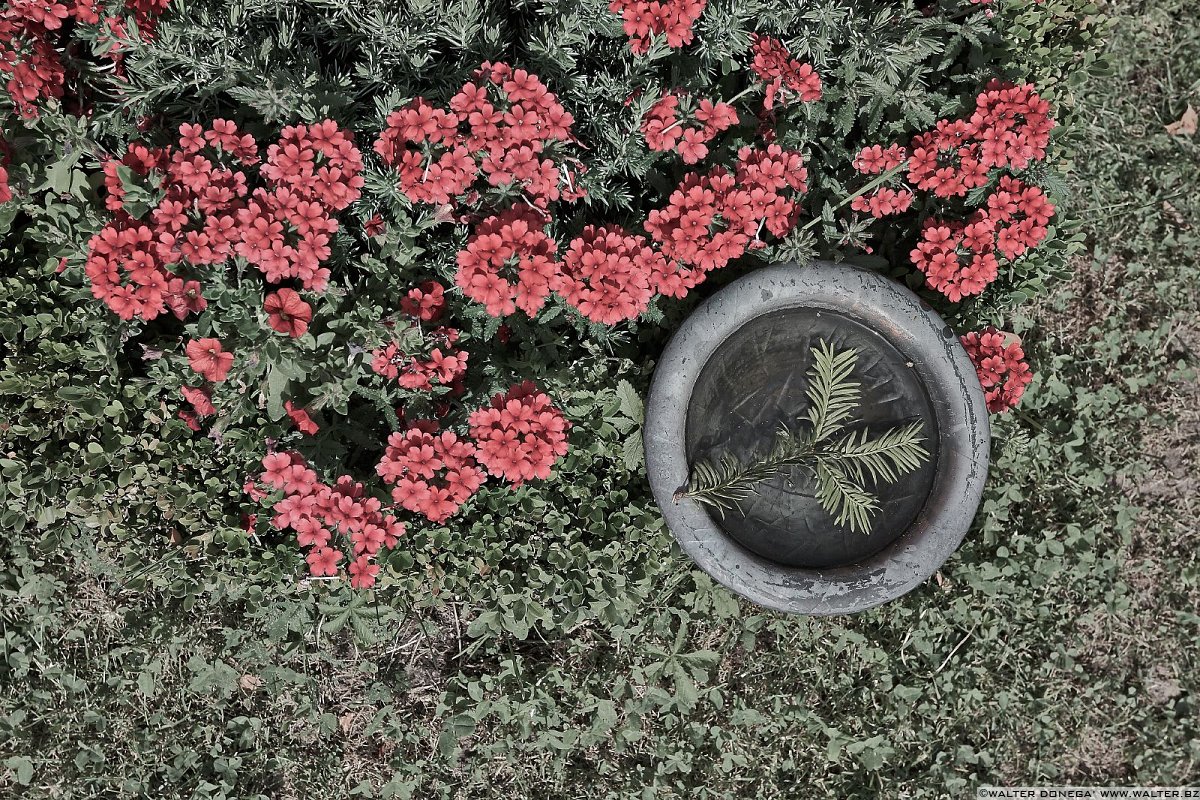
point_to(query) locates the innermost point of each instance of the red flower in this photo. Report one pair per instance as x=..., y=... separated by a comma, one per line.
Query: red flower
x=426, y=302
x=645, y=18
x=288, y=471
x=183, y=297
x=300, y=417
x=512, y=241
x=206, y=357
x=692, y=149
x=715, y=117
x=363, y=572
x=784, y=76
x=946, y=162
x=374, y=226
x=520, y=435
x=36, y=35
x=287, y=312
x=324, y=561
x=1003, y=371
x=201, y=400
x=609, y=275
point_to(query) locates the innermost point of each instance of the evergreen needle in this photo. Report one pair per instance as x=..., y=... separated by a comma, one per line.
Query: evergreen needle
x=842, y=466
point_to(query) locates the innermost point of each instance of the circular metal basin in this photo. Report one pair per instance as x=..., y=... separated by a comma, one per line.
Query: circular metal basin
x=737, y=369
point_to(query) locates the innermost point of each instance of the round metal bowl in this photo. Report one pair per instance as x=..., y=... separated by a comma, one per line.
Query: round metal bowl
x=736, y=370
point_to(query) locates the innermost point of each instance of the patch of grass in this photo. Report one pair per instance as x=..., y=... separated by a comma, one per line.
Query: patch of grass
x=1058, y=645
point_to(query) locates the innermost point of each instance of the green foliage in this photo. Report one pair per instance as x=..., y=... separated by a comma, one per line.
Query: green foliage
x=551, y=642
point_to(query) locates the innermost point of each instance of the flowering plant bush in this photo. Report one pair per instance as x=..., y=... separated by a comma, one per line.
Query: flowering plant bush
x=382, y=300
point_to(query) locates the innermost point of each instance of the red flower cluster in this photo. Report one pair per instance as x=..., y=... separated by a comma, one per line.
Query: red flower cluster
x=426, y=302
x=32, y=41
x=520, y=435
x=509, y=263
x=957, y=258
x=31, y=59
x=412, y=462
x=947, y=161
x=317, y=512
x=1021, y=215
x=317, y=163
x=712, y=219
x=665, y=130
x=876, y=160
x=512, y=122
x=128, y=248
x=1009, y=128
x=1003, y=371
x=1012, y=125
x=646, y=18
x=610, y=275
x=206, y=213
x=883, y=202
x=785, y=77
x=443, y=363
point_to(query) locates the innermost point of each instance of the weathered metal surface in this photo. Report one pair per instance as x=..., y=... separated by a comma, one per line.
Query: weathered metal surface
x=737, y=368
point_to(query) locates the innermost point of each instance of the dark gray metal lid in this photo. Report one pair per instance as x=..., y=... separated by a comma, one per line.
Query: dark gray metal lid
x=834, y=301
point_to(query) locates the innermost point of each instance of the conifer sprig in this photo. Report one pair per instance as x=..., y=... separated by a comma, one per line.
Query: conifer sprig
x=841, y=465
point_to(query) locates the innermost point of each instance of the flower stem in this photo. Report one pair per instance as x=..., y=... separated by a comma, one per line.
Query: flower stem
x=882, y=179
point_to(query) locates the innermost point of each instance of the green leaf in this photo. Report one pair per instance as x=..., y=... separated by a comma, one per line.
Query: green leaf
x=885, y=458
x=633, y=453
x=22, y=768
x=848, y=504
x=146, y=684
x=631, y=402
x=8, y=212
x=276, y=386
x=58, y=175
x=834, y=397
